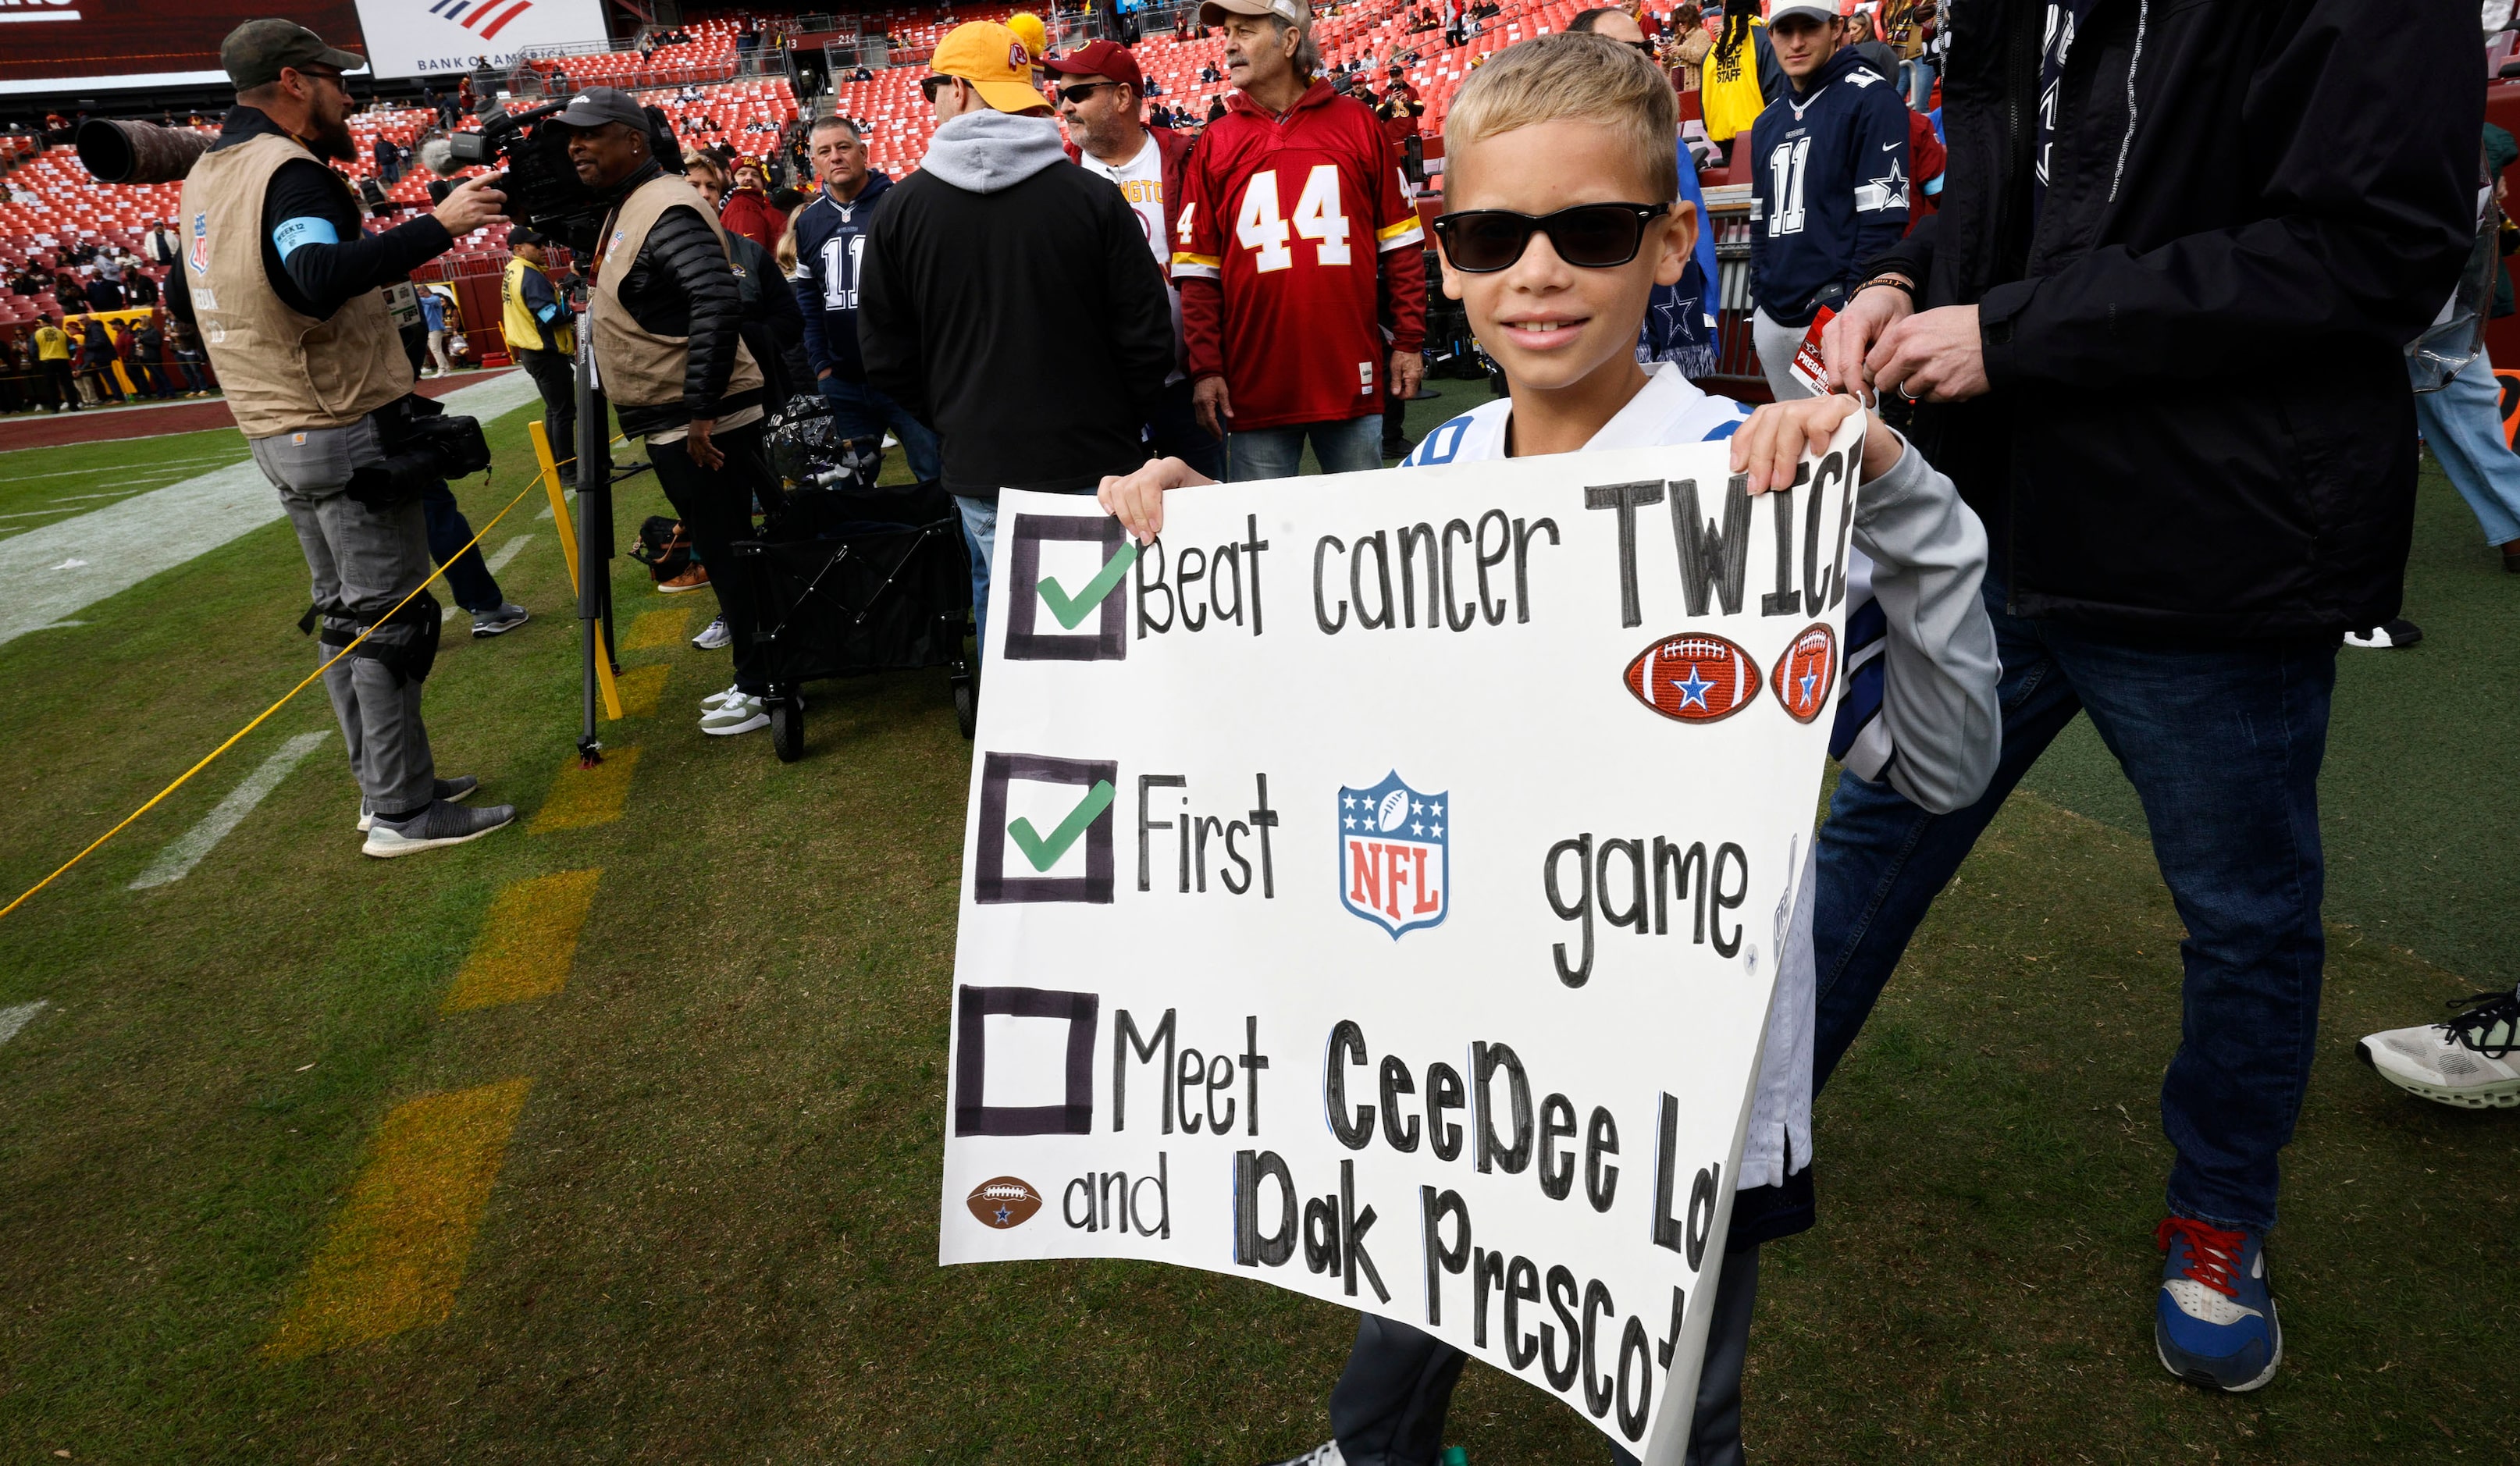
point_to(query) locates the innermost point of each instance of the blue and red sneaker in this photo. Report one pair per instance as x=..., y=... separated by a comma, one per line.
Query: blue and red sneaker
x=2214, y=1322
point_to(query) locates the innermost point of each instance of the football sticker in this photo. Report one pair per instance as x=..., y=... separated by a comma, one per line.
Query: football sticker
x=1003, y=1201
x=1694, y=677
x=1395, y=854
x=1807, y=673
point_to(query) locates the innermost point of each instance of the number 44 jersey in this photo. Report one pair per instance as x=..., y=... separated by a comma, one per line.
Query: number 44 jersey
x=1303, y=225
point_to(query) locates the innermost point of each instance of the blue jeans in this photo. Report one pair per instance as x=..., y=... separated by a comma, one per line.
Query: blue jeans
x=1350, y=447
x=2223, y=742
x=980, y=537
x=467, y=578
x=1921, y=84
x=859, y=411
x=2462, y=424
x=1174, y=432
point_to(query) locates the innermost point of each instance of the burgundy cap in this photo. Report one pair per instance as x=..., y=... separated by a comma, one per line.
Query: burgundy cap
x=1101, y=59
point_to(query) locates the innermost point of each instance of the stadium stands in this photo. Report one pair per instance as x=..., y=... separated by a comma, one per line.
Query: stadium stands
x=52, y=204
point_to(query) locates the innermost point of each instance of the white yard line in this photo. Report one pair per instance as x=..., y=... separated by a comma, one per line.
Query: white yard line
x=571, y=494
x=13, y=1019
x=177, y=860
x=508, y=552
x=125, y=544
x=172, y=462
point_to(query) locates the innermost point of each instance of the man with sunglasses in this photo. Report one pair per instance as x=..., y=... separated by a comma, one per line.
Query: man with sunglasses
x=1300, y=259
x=290, y=296
x=1829, y=181
x=1100, y=89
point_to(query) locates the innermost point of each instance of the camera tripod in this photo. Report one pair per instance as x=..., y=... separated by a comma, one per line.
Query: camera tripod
x=594, y=480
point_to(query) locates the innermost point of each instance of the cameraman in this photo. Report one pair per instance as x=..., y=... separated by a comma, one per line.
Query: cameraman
x=667, y=319
x=538, y=333
x=289, y=299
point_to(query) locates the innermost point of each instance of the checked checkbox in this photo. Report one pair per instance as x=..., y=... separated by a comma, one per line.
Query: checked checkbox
x=1021, y=796
x=1065, y=574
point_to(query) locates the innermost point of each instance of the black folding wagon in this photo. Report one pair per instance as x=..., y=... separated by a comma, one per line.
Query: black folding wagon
x=851, y=578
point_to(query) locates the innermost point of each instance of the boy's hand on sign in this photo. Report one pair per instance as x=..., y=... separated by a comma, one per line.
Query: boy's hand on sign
x=1137, y=500
x=1772, y=444
x=1849, y=337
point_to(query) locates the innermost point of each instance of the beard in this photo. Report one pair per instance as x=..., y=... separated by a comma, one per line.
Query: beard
x=329, y=137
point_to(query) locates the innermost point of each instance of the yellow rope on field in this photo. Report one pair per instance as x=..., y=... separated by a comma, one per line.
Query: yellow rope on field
x=266, y=713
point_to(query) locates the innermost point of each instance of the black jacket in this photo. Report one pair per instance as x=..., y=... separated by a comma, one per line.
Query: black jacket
x=773, y=327
x=1022, y=319
x=682, y=285
x=2200, y=423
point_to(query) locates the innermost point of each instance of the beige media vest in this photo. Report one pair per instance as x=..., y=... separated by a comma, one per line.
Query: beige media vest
x=640, y=368
x=283, y=372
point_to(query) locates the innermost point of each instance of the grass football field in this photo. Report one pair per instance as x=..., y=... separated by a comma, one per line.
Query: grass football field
x=615, y=1137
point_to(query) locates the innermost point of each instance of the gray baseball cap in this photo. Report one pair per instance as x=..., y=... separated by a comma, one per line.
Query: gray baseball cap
x=255, y=52
x=599, y=104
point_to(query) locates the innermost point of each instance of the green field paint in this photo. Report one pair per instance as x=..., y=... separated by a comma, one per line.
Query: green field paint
x=581, y=797
x=397, y=1250
x=526, y=946
x=650, y=630
x=640, y=686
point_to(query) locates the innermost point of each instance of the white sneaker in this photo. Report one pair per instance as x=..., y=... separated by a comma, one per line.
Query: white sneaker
x=1328, y=1453
x=712, y=636
x=454, y=790
x=2472, y=1061
x=741, y=713
x=714, y=698
x=440, y=824
x=2394, y=634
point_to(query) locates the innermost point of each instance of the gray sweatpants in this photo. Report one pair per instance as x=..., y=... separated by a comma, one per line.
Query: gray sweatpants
x=1776, y=344
x=363, y=562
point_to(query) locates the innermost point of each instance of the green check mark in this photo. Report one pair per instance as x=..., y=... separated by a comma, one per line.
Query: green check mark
x=1070, y=611
x=1045, y=854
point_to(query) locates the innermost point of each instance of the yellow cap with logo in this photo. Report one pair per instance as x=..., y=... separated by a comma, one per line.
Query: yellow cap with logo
x=994, y=61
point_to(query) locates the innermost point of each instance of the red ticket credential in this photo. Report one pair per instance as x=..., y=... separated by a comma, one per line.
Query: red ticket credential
x=1809, y=367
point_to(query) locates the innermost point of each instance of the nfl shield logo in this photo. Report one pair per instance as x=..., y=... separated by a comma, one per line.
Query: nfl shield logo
x=201, y=243
x=1395, y=865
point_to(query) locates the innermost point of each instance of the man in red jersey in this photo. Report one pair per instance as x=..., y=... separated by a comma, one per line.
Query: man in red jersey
x=1299, y=257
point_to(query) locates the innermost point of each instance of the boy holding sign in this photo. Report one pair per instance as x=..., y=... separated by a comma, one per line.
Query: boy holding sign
x=1561, y=153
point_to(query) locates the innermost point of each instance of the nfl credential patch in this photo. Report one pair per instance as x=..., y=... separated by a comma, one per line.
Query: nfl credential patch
x=1395, y=854
x=200, y=255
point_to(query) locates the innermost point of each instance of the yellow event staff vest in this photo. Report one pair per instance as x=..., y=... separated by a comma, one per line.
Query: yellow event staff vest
x=283, y=372
x=516, y=319
x=51, y=345
x=638, y=367
x=1732, y=88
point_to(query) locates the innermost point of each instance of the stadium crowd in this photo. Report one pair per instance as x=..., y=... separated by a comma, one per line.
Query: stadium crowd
x=1089, y=285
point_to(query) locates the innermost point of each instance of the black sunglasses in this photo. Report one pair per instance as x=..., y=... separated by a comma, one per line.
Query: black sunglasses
x=1589, y=236
x=930, y=86
x=1082, y=90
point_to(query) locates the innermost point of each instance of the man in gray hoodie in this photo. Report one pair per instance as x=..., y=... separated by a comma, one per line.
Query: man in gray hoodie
x=1009, y=302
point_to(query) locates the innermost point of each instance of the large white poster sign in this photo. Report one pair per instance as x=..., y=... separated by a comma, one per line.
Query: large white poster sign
x=433, y=37
x=1375, y=887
